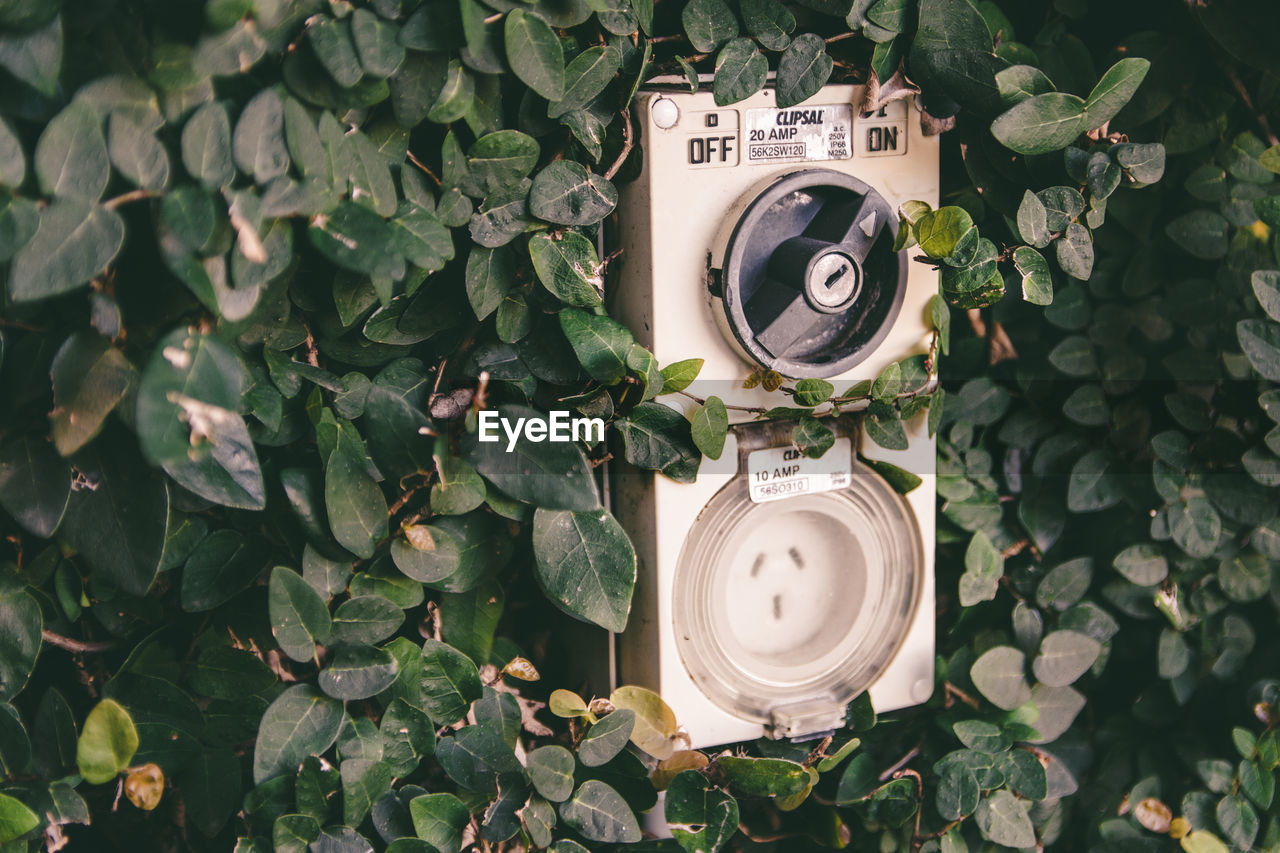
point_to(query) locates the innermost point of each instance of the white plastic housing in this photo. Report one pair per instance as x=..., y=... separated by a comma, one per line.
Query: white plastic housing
x=675, y=221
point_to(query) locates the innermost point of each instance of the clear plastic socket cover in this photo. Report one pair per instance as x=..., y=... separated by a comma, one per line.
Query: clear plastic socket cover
x=807, y=598
x=810, y=281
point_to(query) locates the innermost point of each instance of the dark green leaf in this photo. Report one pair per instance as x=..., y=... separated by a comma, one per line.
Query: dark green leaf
x=585, y=78
x=568, y=267
x=741, y=71
x=535, y=55
x=702, y=818
x=1040, y=124
x=567, y=193
x=585, y=564
x=299, y=617
x=597, y=812
x=225, y=563
x=450, y=682
x=803, y=69
x=358, y=672
x=1114, y=90
x=74, y=241
x=300, y=722
x=659, y=438
x=709, y=424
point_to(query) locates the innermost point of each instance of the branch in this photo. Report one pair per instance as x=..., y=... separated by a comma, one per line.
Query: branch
x=125, y=198
x=78, y=646
x=1238, y=84
x=627, y=142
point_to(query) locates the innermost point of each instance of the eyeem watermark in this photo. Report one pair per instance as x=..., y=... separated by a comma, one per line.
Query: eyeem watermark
x=557, y=426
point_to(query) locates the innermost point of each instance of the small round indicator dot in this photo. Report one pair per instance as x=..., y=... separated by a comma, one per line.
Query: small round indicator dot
x=922, y=690
x=665, y=113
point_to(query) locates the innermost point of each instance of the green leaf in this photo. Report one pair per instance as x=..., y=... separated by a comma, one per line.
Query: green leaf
x=1114, y=90
x=709, y=425
x=491, y=275
x=456, y=97
x=459, y=488
x=74, y=241
x=585, y=78
x=803, y=69
x=554, y=475
x=1017, y=83
x=206, y=146
x=568, y=266
x=958, y=792
x=498, y=161
x=1062, y=205
x=814, y=438
x=943, y=233
x=258, y=145
x=600, y=343
x=551, y=769
x=1001, y=818
x=567, y=193
x=764, y=777
x=299, y=618
x=741, y=71
x=35, y=485
x=708, y=24
x=1260, y=340
x=984, y=566
x=1064, y=657
x=1041, y=124
x=658, y=438
x=813, y=392
x=953, y=50
x=20, y=642
x=680, y=375
x=13, y=160
x=365, y=619
x=469, y=619
x=1037, y=279
x=998, y=675
x=1075, y=251
x=606, y=738
x=439, y=819
x=223, y=672
x=702, y=818
x=376, y=44
x=1200, y=233
x=107, y=743
x=1033, y=223
x=769, y=21
x=331, y=41
x=355, y=505
x=356, y=238
x=450, y=682
x=1238, y=820
x=301, y=722
x=136, y=153
x=224, y=564
x=1142, y=565
x=35, y=57
x=598, y=813
x=16, y=820
x=189, y=421
x=535, y=54
x=358, y=672
x=1266, y=288
x=585, y=564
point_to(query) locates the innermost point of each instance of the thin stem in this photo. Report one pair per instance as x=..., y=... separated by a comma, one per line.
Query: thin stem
x=78, y=646
x=125, y=198
x=413, y=158
x=628, y=141
x=755, y=410
x=1238, y=85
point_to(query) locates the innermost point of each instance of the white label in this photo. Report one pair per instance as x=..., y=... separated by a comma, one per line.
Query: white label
x=713, y=138
x=783, y=472
x=800, y=134
x=882, y=133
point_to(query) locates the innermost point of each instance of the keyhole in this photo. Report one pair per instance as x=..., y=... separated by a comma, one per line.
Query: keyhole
x=833, y=281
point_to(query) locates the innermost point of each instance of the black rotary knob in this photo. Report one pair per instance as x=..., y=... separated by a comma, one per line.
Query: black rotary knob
x=811, y=283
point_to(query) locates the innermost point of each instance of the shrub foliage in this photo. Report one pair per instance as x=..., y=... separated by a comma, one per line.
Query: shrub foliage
x=264, y=262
